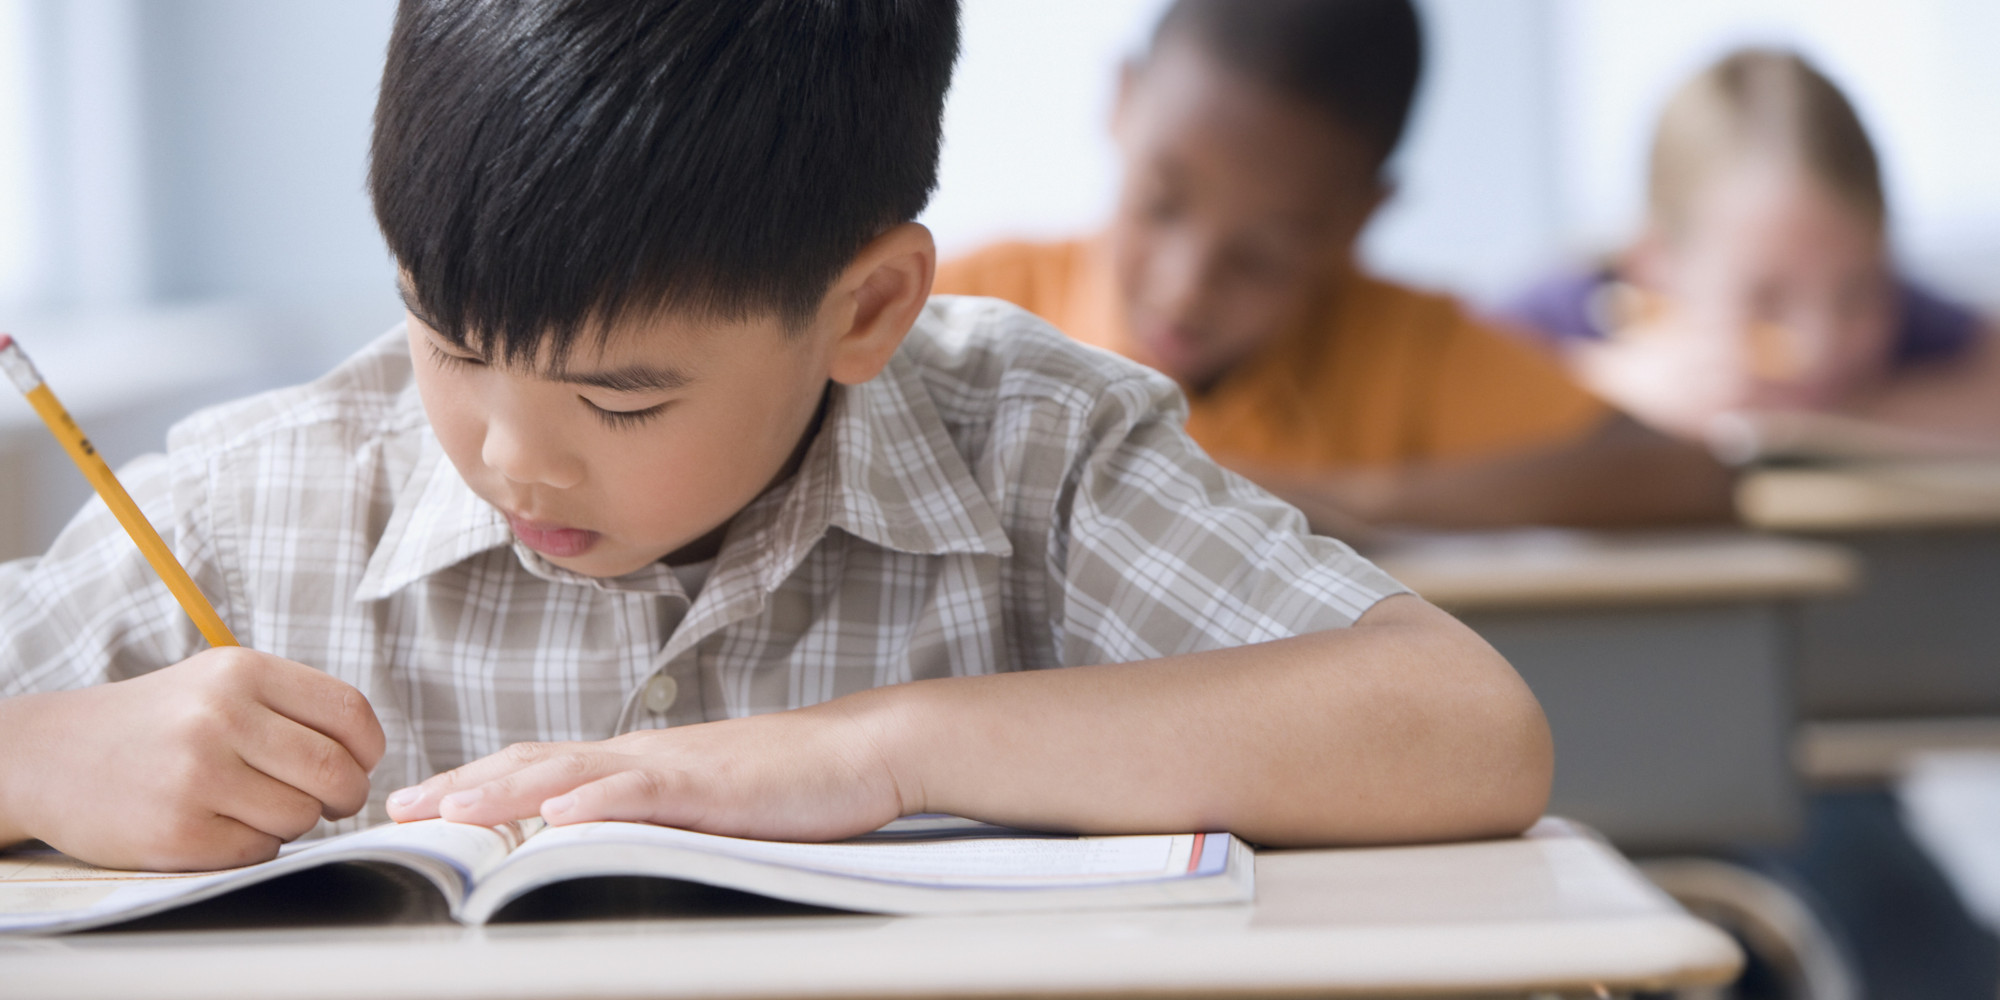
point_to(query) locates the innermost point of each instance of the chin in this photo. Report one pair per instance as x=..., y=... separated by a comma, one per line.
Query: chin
x=598, y=566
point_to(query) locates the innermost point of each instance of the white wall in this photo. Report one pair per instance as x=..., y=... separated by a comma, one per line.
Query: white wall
x=1477, y=209
x=1025, y=149
x=15, y=204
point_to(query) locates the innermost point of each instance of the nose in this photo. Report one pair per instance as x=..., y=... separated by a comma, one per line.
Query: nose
x=529, y=452
x=1182, y=273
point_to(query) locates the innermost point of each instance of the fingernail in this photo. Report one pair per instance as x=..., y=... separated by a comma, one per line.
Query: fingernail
x=560, y=804
x=465, y=799
x=405, y=797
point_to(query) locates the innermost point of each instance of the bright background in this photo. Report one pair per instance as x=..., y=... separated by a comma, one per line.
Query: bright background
x=182, y=216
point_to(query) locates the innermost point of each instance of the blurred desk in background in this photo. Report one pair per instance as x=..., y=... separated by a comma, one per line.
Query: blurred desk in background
x=126, y=377
x=1663, y=660
x=1910, y=661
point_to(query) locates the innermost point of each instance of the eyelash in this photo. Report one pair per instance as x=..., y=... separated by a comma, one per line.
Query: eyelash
x=621, y=419
x=445, y=360
x=616, y=419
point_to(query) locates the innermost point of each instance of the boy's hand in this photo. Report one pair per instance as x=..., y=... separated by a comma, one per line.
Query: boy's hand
x=210, y=763
x=812, y=774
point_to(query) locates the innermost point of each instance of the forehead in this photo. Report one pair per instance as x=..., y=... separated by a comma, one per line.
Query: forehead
x=673, y=339
x=1776, y=206
x=1241, y=137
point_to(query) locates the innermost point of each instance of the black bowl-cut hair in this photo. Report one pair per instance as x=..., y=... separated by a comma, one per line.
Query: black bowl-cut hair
x=545, y=167
x=1356, y=60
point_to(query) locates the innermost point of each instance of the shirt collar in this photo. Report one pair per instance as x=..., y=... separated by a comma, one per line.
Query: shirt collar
x=883, y=468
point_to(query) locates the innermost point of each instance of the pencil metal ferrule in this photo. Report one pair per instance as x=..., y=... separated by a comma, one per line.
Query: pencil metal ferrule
x=19, y=369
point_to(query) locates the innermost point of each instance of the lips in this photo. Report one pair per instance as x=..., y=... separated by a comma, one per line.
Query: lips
x=1177, y=351
x=552, y=539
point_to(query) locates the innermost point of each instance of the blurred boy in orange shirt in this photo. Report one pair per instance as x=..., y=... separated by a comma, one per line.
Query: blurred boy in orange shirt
x=1254, y=134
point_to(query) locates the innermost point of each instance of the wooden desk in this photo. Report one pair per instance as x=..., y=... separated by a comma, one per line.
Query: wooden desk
x=1662, y=660
x=1873, y=497
x=1919, y=641
x=1557, y=911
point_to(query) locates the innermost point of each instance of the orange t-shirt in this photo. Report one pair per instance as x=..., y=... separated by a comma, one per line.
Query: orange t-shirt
x=1383, y=375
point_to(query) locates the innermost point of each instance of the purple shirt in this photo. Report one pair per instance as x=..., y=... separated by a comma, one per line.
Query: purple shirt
x=1929, y=328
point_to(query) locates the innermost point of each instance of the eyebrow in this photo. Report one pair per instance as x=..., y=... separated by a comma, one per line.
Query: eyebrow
x=630, y=378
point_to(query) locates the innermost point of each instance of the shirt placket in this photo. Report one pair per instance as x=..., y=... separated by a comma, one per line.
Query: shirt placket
x=667, y=685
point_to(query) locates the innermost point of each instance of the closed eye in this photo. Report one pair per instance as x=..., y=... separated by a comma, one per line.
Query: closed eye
x=446, y=359
x=625, y=418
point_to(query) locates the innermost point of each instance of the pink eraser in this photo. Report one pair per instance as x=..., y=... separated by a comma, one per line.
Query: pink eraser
x=5, y=341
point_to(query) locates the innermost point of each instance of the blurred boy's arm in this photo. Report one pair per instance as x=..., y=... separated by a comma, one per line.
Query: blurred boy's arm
x=1959, y=402
x=1620, y=474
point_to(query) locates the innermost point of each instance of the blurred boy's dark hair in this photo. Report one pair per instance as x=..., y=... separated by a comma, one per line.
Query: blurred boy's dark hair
x=1356, y=60
x=545, y=167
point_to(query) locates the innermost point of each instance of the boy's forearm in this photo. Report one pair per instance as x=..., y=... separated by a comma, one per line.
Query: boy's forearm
x=1405, y=727
x=1619, y=475
x=11, y=756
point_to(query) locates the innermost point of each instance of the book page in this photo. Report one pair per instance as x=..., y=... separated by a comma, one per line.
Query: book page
x=997, y=862
x=40, y=883
x=40, y=887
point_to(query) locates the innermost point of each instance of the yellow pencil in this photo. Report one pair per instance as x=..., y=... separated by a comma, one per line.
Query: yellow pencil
x=22, y=371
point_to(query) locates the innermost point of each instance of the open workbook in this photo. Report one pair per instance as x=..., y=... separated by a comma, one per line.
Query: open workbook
x=920, y=864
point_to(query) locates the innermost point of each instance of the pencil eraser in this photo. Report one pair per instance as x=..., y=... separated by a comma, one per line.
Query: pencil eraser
x=5, y=341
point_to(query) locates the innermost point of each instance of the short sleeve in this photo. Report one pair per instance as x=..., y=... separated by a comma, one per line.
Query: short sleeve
x=1163, y=552
x=1491, y=392
x=91, y=610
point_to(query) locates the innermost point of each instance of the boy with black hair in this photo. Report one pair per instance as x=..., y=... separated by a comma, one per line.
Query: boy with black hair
x=1254, y=135
x=677, y=499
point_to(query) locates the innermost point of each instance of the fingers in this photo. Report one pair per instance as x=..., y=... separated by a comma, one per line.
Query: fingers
x=324, y=703
x=265, y=804
x=466, y=787
x=208, y=843
x=667, y=798
x=309, y=761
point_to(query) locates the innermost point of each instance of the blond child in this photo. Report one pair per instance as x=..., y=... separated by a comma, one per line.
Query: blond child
x=1760, y=308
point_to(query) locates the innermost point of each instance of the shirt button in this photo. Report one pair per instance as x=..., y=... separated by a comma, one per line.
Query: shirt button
x=660, y=693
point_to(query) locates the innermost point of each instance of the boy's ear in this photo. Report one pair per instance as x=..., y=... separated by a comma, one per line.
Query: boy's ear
x=876, y=301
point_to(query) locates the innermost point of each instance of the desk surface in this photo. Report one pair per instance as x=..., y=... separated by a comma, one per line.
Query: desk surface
x=1535, y=569
x=1557, y=910
x=1871, y=497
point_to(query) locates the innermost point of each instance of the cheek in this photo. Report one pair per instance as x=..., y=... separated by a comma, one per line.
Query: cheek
x=454, y=415
x=1132, y=244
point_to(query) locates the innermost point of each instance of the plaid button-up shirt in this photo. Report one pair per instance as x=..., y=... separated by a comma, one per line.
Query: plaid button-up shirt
x=999, y=498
